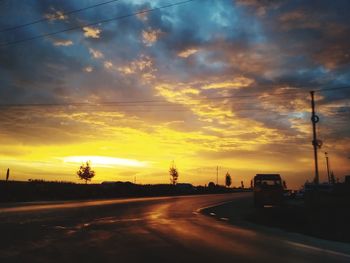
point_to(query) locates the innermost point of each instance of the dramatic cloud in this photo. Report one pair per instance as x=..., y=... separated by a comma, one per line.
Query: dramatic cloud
x=203, y=83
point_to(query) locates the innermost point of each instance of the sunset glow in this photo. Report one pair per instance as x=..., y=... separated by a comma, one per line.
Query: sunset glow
x=203, y=84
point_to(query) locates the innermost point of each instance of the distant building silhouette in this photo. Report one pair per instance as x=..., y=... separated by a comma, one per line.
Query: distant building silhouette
x=347, y=179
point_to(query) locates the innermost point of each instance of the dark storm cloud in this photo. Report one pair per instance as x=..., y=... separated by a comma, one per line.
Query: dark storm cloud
x=52, y=72
x=313, y=43
x=316, y=33
x=32, y=76
x=35, y=69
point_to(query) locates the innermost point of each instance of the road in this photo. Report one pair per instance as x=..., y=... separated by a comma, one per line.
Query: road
x=161, y=229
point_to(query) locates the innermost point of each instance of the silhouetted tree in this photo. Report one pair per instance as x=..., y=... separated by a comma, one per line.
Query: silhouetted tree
x=211, y=185
x=242, y=184
x=174, y=174
x=228, y=180
x=85, y=172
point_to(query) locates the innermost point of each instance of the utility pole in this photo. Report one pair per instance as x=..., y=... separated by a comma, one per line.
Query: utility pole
x=327, y=162
x=7, y=174
x=217, y=175
x=316, y=143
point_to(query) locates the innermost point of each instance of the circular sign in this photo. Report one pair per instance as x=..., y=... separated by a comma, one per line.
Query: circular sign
x=315, y=119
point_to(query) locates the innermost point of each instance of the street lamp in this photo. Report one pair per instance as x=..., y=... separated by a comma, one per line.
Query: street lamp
x=327, y=162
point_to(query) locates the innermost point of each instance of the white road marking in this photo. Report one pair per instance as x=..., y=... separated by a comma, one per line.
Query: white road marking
x=332, y=252
x=216, y=204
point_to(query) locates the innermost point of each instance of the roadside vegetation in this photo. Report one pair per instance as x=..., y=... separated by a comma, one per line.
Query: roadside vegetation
x=40, y=190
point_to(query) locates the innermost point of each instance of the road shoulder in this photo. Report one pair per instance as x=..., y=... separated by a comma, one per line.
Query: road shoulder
x=239, y=214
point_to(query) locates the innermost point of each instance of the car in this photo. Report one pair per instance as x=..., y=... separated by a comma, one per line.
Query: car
x=268, y=190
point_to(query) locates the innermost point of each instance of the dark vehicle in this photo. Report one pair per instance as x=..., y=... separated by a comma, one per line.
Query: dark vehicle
x=268, y=190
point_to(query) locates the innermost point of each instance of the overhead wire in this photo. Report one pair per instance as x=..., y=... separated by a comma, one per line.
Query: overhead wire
x=148, y=102
x=291, y=92
x=99, y=22
x=56, y=16
x=295, y=91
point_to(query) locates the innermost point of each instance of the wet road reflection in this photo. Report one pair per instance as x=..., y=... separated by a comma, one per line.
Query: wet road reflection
x=164, y=229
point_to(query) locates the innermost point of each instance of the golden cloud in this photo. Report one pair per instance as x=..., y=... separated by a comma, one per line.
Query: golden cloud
x=57, y=15
x=144, y=65
x=88, y=69
x=231, y=129
x=96, y=53
x=142, y=16
x=101, y=132
x=91, y=32
x=63, y=43
x=298, y=19
x=126, y=70
x=108, y=64
x=150, y=37
x=188, y=52
x=236, y=83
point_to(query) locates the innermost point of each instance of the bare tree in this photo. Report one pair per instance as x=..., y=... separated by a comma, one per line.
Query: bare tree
x=228, y=180
x=85, y=172
x=174, y=174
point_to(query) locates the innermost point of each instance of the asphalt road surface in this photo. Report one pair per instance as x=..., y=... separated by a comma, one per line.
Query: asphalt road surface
x=162, y=229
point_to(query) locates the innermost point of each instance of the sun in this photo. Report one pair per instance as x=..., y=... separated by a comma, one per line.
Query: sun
x=105, y=161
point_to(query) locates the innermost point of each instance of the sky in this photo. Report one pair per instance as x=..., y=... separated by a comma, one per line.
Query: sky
x=134, y=85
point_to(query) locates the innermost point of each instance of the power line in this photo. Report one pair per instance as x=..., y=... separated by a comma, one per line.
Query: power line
x=148, y=103
x=295, y=91
x=103, y=21
x=152, y=109
x=330, y=89
x=56, y=16
x=162, y=102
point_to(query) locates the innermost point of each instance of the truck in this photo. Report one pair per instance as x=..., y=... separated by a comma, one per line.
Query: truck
x=268, y=190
